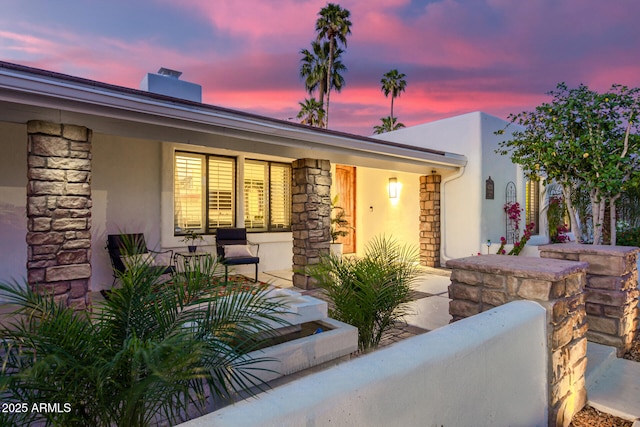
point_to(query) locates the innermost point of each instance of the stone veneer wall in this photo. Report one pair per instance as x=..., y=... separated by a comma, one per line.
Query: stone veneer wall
x=59, y=211
x=310, y=216
x=482, y=282
x=430, y=220
x=611, y=290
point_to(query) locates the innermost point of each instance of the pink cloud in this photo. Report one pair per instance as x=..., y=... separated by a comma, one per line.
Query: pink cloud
x=499, y=56
x=259, y=23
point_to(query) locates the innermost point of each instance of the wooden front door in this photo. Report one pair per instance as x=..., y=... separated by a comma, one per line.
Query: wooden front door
x=345, y=184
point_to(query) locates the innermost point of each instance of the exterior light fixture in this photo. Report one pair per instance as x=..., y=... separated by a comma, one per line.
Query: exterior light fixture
x=393, y=188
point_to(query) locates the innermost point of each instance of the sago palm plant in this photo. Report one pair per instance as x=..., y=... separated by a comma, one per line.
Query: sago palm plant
x=372, y=292
x=154, y=349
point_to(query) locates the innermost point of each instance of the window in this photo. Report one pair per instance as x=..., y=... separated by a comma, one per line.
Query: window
x=255, y=193
x=532, y=204
x=205, y=194
x=203, y=201
x=267, y=196
x=280, y=196
x=188, y=192
x=221, y=190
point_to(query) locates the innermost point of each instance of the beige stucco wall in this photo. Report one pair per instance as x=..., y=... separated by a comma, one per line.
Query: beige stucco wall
x=126, y=196
x=377, y=214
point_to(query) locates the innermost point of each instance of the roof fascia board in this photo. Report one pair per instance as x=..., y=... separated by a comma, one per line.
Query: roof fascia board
x=49, y=92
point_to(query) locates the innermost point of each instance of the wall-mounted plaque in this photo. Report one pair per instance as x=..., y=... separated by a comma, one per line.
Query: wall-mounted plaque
x=489, y=189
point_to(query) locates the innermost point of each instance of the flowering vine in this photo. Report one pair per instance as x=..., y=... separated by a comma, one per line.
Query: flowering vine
x=513, y=210
x=513, y=213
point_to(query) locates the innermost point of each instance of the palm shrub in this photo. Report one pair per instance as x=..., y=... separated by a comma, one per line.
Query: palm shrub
x=154, y=349
x=372, y=292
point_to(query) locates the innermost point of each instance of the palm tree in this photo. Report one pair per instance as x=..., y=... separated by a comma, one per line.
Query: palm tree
x=311, y=112
x=333, y=25
x=314, y=69
x=393, y=83
x=155, y=348
x=388, y=124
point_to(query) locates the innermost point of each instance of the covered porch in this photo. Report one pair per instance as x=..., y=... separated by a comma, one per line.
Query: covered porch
x=92, y=159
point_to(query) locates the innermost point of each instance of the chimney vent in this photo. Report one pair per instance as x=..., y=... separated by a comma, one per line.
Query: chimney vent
x=169, y=73
x=167, y=82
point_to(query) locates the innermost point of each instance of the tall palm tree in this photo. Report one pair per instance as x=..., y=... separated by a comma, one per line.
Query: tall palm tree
x=311, y=112
x=393, y=83
x=313, y=69
x=388, y=124
x=333, y=25
x=315, y=66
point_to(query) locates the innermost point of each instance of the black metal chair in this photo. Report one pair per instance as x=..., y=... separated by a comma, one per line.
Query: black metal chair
x=121, y=246
x=233, y=248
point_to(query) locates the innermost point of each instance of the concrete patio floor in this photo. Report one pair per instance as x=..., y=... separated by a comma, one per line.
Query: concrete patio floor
x=430, y=310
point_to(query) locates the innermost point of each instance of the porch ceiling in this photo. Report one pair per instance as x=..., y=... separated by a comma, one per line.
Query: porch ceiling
x=30, y=94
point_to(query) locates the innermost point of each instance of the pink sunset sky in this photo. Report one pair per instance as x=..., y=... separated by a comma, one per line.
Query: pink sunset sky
x=496, y=56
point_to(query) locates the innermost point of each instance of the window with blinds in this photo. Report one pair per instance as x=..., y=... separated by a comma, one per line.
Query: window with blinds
x=205, y=194
x=255, y=197
x=532, y=204
x=221, y=192
x=189, y=192
x=280, y=196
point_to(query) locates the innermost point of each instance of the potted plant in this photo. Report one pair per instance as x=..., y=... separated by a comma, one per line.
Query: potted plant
x=339, y=226
x=190, y=238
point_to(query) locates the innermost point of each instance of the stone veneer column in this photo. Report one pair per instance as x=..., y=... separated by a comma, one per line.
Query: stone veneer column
x=430, y=220
x=611, y=290
x=483, y=282
x=59, y=211
x=310, y=216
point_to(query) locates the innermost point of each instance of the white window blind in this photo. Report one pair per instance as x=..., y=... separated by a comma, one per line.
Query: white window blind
x=255, y=197
x=280, y=196
x=221, y=192
x=188, y=192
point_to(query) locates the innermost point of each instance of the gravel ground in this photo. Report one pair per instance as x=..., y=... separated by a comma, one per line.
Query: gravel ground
x=591, y=417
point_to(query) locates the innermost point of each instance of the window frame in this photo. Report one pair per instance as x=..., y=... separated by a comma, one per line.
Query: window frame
x=238, y=193
x=268, y=192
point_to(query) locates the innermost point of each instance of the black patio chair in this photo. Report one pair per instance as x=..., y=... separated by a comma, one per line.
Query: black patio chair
x=233, y=248
x=126, y=248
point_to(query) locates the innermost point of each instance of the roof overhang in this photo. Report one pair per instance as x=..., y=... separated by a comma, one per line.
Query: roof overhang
x=32, y=94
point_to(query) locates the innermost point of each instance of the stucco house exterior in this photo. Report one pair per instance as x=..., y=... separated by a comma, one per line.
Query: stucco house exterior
x=83, y=159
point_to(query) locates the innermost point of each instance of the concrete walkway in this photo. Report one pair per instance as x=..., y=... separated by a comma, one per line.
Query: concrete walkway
x=613, y=384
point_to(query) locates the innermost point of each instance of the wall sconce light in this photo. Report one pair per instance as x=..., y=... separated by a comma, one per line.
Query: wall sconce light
x=393, y=188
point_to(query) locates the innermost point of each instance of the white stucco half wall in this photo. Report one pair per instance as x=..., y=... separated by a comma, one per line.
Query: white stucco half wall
x=490, y=369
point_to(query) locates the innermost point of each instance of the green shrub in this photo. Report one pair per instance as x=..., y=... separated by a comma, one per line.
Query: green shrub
x=371, y=292
x=152, y=350
x=629, y=237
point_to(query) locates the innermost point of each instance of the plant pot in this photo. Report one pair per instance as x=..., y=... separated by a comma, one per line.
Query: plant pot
x=192, y=248
x=335, y=249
